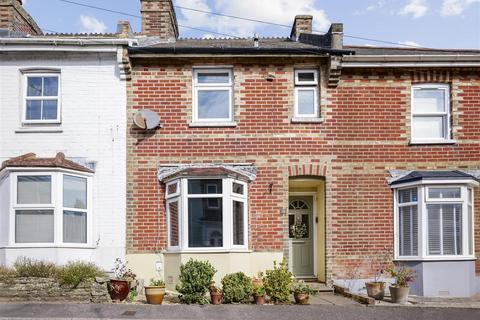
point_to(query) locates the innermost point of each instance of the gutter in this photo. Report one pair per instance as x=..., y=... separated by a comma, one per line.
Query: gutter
x=380, y=61
x=236, y=51
x=63, y=41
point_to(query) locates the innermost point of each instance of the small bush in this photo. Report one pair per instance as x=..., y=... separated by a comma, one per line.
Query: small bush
x=6, y=274
x=75, y=273
x=237, y=288
x=278, y=282
x=25, y=267
x=195, y=279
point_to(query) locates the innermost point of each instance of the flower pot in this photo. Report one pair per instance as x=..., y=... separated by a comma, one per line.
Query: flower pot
x=154, y=295
x=301, y=298
x=257, y=283
x=216, y=297
x=259, y=299
x=399, y=294
x=118, y=289
x=376, y=290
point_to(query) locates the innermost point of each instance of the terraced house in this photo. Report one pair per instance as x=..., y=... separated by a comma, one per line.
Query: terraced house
x=301, y=147
x=62, y=142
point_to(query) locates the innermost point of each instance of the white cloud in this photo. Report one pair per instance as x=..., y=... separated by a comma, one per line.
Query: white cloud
x=415, y=8
x=374, y=6
x=92, y=25
x=411, y=44
x=278, y=11
x=455, y=7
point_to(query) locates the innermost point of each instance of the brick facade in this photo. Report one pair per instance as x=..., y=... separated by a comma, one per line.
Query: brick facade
x=365, y=133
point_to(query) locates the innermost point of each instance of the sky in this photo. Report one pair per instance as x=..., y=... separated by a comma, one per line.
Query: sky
x=426, y=23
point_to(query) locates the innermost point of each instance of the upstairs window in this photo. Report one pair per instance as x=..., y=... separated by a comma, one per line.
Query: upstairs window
x=42, y=98
x=306, y=94
x=213, y=95
x=430, y=113
x=206, y=214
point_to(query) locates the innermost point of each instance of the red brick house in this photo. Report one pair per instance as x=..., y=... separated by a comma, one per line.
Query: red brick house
x=328, y=155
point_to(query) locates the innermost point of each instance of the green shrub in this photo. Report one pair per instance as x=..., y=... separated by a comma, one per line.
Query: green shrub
x=195, y=279
x=75, y=273
x=6, y=274
x=278, y=282
x=25, y=267
x=237, y=288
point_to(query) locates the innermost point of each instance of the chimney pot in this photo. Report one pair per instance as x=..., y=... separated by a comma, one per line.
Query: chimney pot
x=159, y=19
x=124, y=30
x=336, y=35
x=302, y=24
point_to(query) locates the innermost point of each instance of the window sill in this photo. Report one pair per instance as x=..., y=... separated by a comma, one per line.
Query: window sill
x=39, y=130
x=435, y=259
x=427, y=142
x=307, y=120
x=207, y=251
x=212, y=124
x=47, y=246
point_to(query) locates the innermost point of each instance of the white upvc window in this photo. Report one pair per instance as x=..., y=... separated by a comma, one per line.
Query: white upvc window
x=430, y=113
x=212, y=95
x=306, y=94
x=434, y=222
x=50, y=208
x=207, y=214
x=42, y=98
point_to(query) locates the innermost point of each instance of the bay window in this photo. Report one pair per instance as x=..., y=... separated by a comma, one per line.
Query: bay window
x=50, y=208
x=434, y=221
x=206, y=214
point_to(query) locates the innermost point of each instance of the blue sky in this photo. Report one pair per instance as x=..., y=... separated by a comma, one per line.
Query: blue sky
x=429, y=23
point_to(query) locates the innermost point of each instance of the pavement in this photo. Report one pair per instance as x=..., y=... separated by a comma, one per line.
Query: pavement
x=229, y=312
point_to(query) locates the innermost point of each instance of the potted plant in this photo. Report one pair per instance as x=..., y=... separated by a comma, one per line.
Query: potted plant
x=301, y=292
x=400, y=289
x=215, y=294
x=119, y=287
x=378, y=265
x=258, y=280
x=155, y=292
x=259, y=295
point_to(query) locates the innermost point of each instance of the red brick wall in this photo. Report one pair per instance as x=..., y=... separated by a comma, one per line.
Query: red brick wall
x=365, y=133
x=14, y=17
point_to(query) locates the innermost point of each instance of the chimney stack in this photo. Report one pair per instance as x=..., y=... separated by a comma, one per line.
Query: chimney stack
x=14, y=18
x=302, y=24
x=159, y=19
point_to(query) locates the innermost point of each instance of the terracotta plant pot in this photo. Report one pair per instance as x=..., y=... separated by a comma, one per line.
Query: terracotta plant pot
x=216, y=297
x=376, y=290
x=259, y=299
x=399, y=294
x=301, y=298
x=118, y=289
x=154, y=295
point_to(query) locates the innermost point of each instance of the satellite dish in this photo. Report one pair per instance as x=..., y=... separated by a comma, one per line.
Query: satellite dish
x=146, y=119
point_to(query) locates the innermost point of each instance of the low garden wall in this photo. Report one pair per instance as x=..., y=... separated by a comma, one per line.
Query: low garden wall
x=50, y=290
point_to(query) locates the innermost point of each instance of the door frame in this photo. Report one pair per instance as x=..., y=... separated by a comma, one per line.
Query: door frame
x=315, y=226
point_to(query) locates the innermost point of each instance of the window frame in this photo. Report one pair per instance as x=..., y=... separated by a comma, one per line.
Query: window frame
x=447, y=134
x=196, y=87
x=307, y=86
x=422, y=237
x=56, y=205
x=26, y=76
x=227, y=196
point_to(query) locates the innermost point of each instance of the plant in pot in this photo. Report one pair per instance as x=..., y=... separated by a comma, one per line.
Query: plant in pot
x=195, y=279
x=155, y=291
x=215, y=295
x=259, y=295
x=400, y=289
x=119, y=287
x=378, y=265
x=278, y=282
x=302, y=291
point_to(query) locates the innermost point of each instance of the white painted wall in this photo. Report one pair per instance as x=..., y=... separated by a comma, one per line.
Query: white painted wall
x=93, y=129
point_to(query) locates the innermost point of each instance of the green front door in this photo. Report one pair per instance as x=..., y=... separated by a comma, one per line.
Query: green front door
x=300, y=221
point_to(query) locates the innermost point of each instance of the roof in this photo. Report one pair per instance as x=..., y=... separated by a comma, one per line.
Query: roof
x=414, y=176
x=234, y=46
x=241, y=172
x=30, y=160
x=372, y=50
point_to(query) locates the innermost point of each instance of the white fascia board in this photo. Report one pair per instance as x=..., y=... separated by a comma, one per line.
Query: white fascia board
x=373, y=61
x=436, y=182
